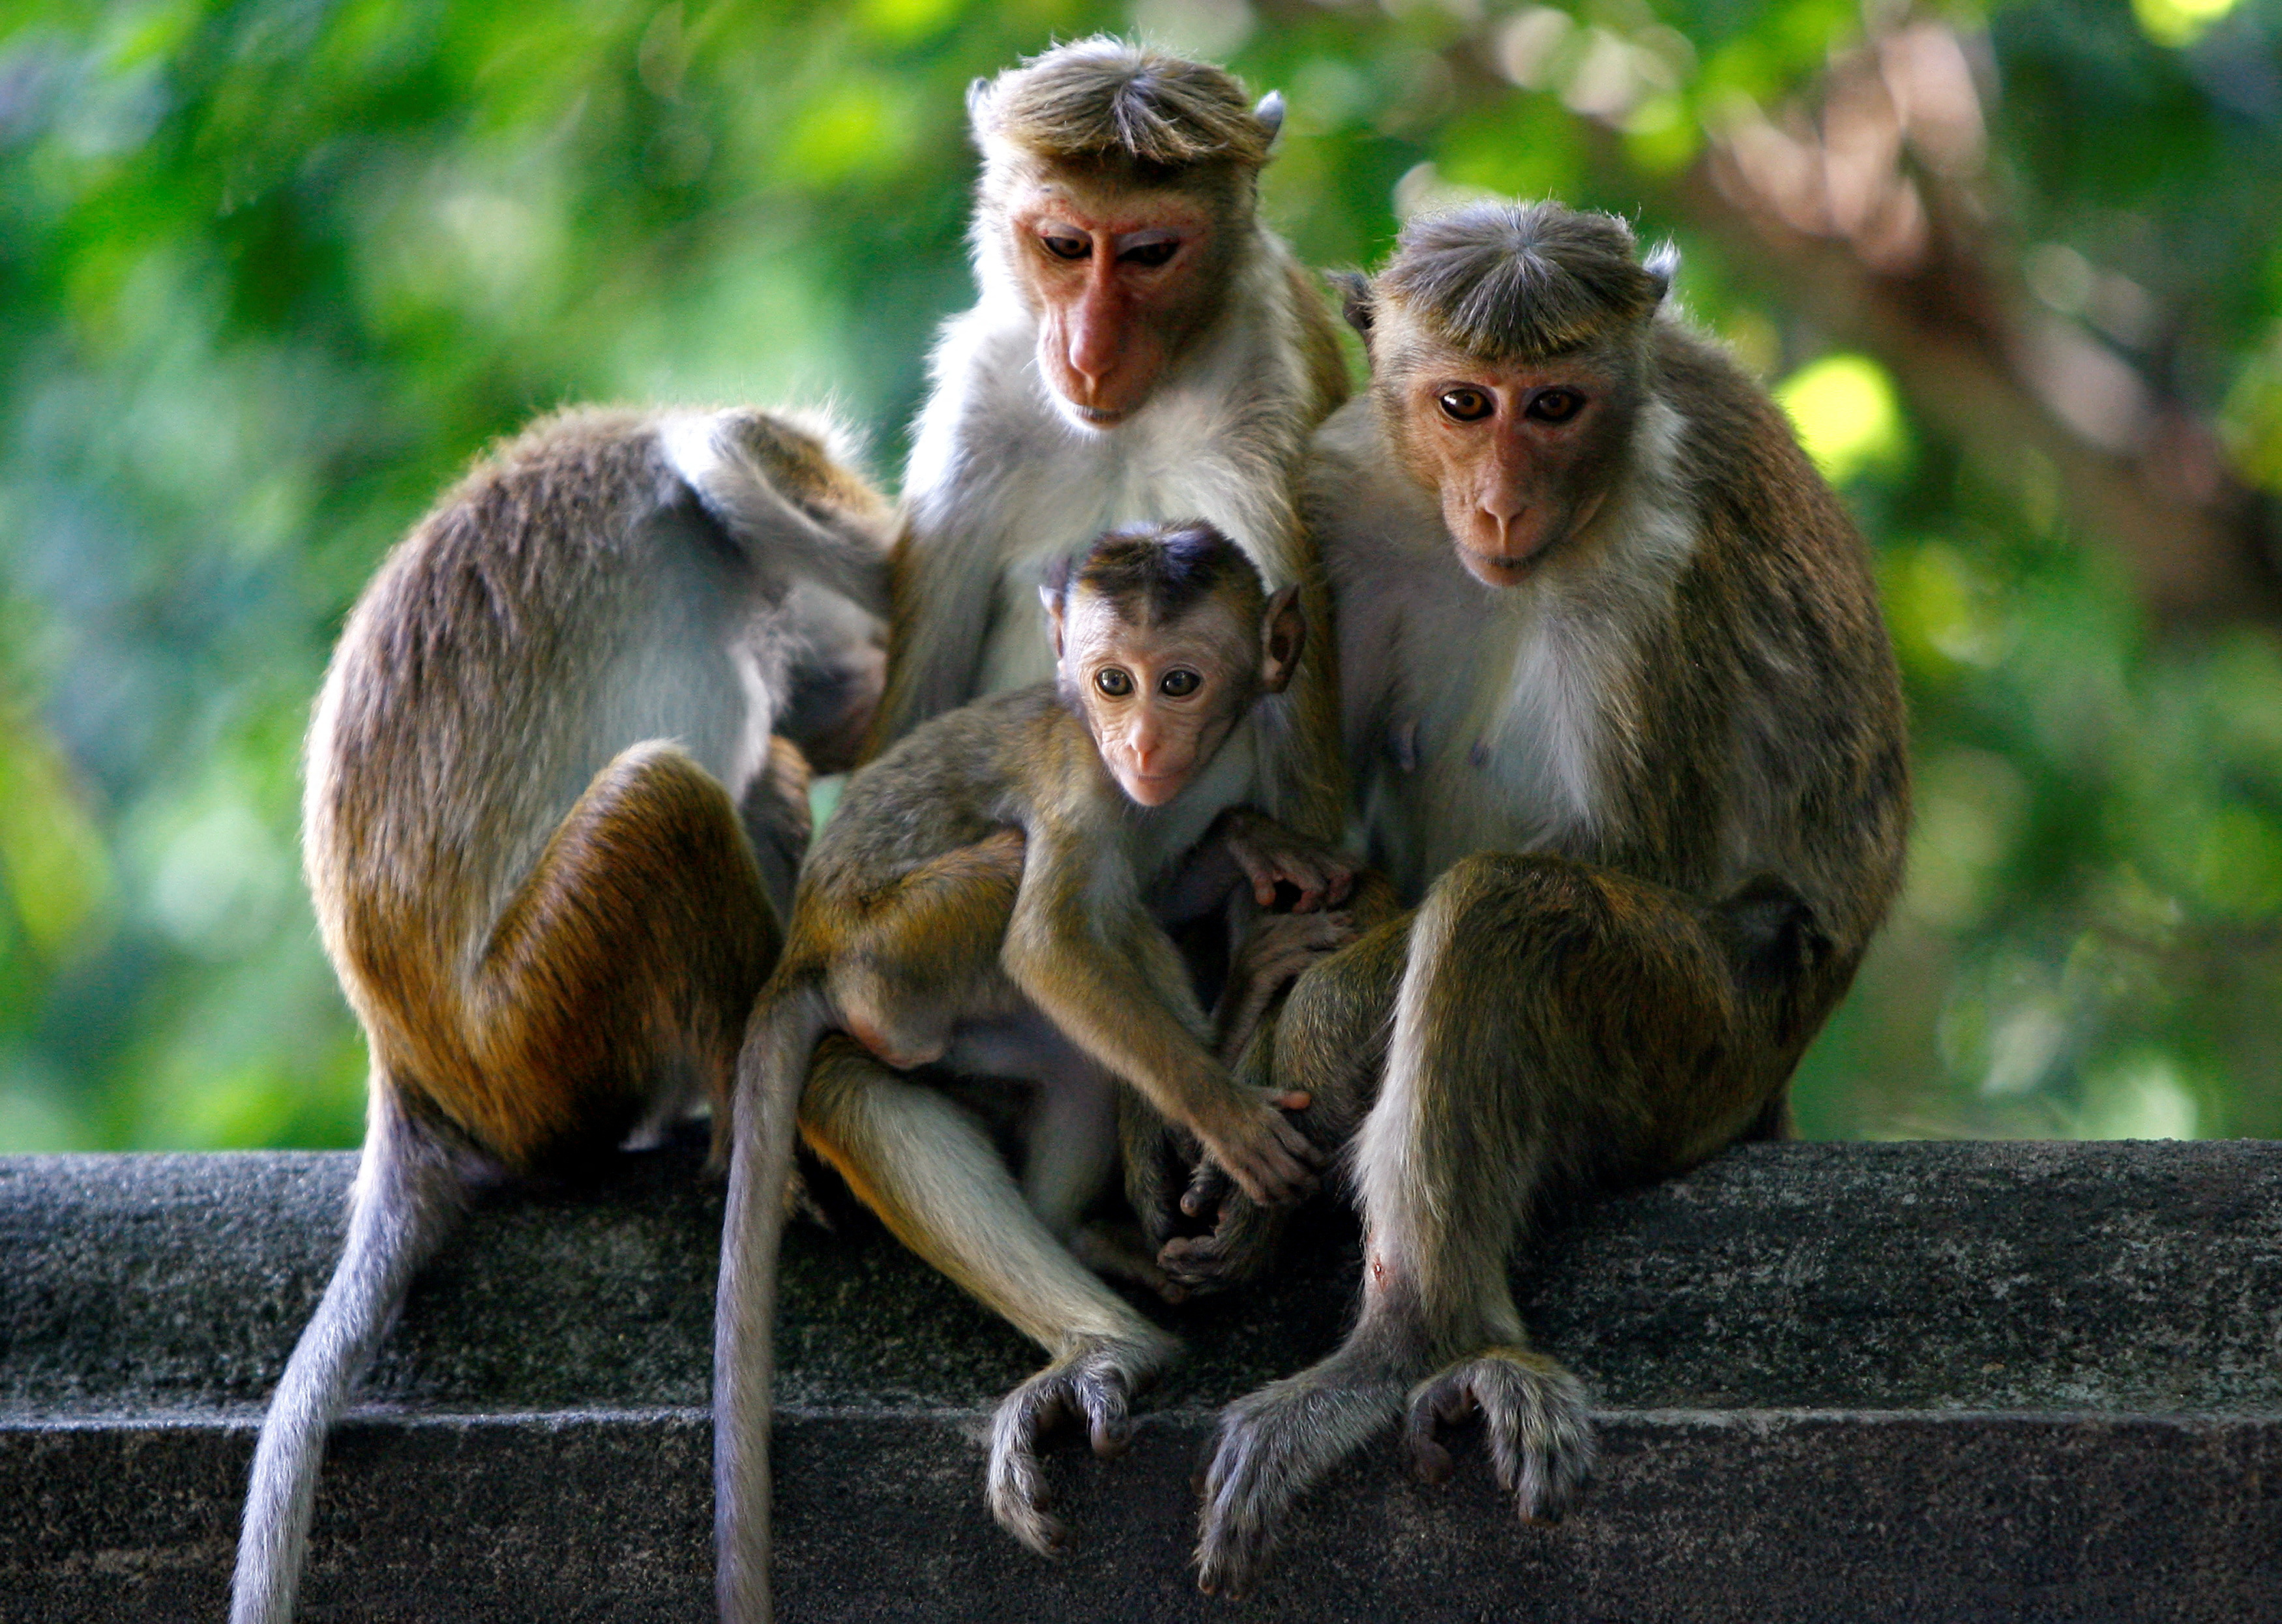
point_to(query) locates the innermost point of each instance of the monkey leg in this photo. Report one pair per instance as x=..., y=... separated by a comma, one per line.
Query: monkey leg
x=1329, y=1039
x=925, y=1167
x=614, y=991
x=1553, y=1024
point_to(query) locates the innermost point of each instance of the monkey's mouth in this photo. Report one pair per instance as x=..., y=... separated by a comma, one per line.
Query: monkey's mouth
x=1152, y=789
x=1098, y=416
x=1492, y=571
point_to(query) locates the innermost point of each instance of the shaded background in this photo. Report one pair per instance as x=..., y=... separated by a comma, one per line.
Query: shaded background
x=272, y=272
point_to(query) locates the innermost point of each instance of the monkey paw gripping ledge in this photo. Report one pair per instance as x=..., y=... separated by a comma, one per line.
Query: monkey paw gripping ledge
x=1908, y=1381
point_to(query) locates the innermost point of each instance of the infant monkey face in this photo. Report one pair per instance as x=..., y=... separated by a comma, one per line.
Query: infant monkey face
x=1159, y=700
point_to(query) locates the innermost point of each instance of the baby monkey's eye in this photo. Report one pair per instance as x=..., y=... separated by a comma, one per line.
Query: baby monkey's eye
x=1179, y=683
x=1151, y=254
x=1064, y=245
x=1467, y=405
x=1113, y=683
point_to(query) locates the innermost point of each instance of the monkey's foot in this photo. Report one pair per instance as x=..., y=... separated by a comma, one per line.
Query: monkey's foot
x=1270, y=1445
x=1091, y=1385
x=1240, y=1247
x=1532, y=1411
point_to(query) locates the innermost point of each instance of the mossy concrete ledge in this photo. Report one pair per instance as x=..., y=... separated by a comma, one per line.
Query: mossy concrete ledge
x=1924, y=1381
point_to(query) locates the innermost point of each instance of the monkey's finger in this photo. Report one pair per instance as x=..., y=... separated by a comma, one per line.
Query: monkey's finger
x=1292, y=1100
x=1107, y=1425
x=1429, y=1459
x=1209, y=1187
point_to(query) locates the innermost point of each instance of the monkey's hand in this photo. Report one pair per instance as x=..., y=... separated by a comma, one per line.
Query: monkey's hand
x=1239, y=1247
x=1270, y=854
x=1278, y=950
x=1271, y=1159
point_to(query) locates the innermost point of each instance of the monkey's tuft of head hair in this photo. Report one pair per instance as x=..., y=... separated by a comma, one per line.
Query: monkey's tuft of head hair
x=1156, y=574
x=1106, y=99
x=1523, y=281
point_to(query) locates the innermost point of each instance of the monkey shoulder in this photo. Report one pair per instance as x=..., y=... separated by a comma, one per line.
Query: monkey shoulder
x=951, y=782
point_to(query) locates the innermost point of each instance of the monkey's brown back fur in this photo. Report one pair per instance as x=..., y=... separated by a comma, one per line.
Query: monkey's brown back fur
x=485, y=869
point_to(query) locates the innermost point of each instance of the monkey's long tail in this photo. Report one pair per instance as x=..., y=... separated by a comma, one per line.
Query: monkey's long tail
x=772, y=1070
x=410, y=1189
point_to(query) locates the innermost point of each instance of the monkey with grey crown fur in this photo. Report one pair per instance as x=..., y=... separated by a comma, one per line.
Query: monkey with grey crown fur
x=1629, y=732
x=1142, y=350
x=987, y=897
x=548, y=806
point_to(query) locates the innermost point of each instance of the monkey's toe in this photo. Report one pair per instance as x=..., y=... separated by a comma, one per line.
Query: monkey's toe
x=1270, y=1445
x=1533, y=1415
x=1092, y=1388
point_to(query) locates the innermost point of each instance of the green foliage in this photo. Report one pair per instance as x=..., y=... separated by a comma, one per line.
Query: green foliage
x=274, y=270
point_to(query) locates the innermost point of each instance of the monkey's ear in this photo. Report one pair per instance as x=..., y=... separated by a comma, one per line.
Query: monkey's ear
x=1053, y=600
x=1661, y=265
x=1353, y=289
x=1283, y=634
x=1270, y=114
x=978, y=106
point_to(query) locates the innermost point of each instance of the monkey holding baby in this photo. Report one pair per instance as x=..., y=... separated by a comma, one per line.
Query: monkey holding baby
x=1627, y=728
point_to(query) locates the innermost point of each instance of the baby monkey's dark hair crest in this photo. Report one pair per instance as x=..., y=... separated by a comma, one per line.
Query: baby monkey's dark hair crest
x=1154, y=574
x=1520, y=281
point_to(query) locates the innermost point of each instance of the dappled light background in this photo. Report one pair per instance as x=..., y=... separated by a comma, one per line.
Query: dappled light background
x=273, y=271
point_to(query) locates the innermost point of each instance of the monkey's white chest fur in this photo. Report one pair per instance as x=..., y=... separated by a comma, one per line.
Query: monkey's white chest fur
x=1000, y=448
x=1531, y=688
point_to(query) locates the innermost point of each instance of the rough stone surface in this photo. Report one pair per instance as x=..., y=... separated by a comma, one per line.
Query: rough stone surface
x=1922, y=1382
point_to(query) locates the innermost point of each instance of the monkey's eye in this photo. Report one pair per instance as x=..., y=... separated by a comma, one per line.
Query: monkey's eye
x=1112, y=682
x=1467, y=405
x=1556, y=404
x=1179, y=683
x=1152, y=253
x=1064, y=244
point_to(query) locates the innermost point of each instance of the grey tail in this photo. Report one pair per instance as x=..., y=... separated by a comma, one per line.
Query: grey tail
x=770, y=1072
x=409, y=1193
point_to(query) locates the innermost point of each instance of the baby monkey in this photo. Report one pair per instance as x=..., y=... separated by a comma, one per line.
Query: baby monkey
x=990, y=896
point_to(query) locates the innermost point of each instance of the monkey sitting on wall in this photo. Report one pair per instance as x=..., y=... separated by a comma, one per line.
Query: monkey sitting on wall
x=545, y=816
x=1627, y=727
x=982, y=899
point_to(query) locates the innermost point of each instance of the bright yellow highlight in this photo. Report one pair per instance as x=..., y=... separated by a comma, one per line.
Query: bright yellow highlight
x=2179, y=22
x=1848, y=416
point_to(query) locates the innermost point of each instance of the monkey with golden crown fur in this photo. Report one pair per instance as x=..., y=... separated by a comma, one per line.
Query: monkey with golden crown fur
x=1627, y=730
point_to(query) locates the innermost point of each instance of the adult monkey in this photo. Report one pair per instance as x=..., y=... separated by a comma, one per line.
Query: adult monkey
x=1610, y=652
x=546, y=807
x=1143, y=350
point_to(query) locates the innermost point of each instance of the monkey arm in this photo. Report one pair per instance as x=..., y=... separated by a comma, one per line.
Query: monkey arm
x=944, y=586
x=1089, y=957
x=1246, y=846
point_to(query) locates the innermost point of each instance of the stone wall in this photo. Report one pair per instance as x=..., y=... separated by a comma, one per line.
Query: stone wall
x=1912, y=1381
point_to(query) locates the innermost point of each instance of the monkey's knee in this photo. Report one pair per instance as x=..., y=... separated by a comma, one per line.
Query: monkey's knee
x=646, y=902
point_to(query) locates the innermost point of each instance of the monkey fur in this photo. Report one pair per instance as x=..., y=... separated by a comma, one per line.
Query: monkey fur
x=1143, y=350
x=546, y=808
x=982, y=899
x=1627, y=729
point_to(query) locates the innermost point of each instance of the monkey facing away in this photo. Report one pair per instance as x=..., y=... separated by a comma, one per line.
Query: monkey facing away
x=982, y=899
x=1142, y=350
x=1627, y=727
x=543, y=813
